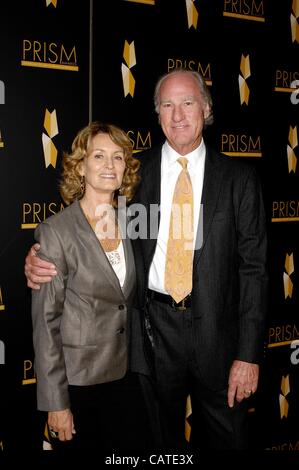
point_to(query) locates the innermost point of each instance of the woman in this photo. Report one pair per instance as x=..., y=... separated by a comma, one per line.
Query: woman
x=80, y=319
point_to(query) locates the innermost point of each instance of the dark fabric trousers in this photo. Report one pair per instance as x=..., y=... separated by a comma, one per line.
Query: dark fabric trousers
x=109, y=417
x=214, y=424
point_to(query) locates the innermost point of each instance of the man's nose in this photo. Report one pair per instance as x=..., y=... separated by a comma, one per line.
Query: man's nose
x=178, y=114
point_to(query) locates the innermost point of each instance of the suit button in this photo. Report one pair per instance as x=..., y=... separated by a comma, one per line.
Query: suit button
x=121, y=307
x=120, y=330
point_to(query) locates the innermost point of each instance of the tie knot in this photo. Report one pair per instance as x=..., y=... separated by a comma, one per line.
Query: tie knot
x=183, y=161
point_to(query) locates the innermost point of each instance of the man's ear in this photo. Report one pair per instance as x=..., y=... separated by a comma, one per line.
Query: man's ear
x=207, y=111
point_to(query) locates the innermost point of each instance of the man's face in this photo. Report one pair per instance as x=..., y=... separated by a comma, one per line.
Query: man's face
x=182, y=112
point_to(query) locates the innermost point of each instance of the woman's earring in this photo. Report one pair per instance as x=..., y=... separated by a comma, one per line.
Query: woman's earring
x=121, y=190
x=82, y=185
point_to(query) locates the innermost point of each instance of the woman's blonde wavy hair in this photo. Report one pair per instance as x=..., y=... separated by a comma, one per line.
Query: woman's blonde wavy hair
x=71, y=181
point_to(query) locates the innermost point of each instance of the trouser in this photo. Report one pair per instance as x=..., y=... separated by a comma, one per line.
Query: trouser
x=213, y=424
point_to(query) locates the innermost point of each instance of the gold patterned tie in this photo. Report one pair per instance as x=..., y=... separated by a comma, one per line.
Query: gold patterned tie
x=179, y=256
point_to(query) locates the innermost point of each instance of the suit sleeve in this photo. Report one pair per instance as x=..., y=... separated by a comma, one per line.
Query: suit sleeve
x=252, y=249
x=47, y=310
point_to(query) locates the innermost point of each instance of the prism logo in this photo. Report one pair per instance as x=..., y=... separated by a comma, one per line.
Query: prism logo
x=287, y=281
x=2, y=92
x=130, y=60
x=244, y=74
x=294, y=21
x=252, y=10
x=146, y=2
x=53, y=2
x=284, y=391
x=192, y=14
x=292, y=144
x=29, y=373
x=51, y=127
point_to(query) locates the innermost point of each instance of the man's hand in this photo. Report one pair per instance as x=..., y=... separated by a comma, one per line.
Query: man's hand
x=243, y=380
x=37, y=271
x=61, y=422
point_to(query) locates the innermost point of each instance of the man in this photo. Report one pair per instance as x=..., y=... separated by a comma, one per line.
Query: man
x=206, y=338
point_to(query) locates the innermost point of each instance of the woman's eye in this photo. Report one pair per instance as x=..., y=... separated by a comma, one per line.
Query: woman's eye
x=119, y=157
x=98, y=155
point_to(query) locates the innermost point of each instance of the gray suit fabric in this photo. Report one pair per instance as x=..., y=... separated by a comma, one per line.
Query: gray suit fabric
x=81, y=319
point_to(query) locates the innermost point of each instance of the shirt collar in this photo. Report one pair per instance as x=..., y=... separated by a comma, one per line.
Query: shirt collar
x=170, y=156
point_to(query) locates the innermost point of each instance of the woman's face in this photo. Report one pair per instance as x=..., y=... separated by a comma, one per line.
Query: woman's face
x=104, y=166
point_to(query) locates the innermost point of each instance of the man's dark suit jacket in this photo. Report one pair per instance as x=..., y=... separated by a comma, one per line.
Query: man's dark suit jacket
x=229, y=275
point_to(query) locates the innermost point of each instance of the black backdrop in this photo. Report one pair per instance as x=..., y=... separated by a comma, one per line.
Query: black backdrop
x=68, y=59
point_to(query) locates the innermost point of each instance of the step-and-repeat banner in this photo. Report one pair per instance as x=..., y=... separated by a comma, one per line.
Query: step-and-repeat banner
x=63, y=64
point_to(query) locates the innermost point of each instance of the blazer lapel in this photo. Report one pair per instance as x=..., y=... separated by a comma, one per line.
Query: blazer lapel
x=91, y=243
x=210, y=194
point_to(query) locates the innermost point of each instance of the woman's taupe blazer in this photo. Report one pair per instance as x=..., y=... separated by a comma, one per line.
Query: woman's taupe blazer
x=80, y=318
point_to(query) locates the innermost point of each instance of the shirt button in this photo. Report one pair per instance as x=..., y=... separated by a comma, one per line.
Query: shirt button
x=121, y=307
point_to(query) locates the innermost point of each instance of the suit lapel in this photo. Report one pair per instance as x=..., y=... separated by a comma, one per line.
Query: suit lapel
x=130, y=278
x=130, y=268
x=152, y=196
x=210, y=194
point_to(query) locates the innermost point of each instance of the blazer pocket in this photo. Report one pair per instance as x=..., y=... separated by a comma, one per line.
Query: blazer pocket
x=78, y=361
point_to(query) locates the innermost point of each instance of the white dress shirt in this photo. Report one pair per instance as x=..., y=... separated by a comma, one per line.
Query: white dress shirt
x=170, y=170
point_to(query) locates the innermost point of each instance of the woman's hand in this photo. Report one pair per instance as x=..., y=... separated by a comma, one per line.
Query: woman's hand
x=62, y=423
